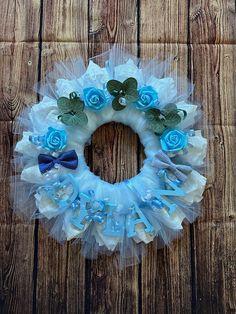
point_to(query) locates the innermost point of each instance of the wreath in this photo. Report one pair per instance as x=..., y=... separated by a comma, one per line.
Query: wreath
x=55, y=183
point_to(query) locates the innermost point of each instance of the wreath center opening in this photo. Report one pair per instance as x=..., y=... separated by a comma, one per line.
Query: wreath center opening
x=115, y=153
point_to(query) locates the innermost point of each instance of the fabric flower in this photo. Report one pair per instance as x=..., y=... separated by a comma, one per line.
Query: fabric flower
x=166, y=88
x=193, y=187
x=192, y=114
x=148, y=98
x=55, y=139
x=173, y=140
x=94, y=76
x=197, y=148
x=95, y=99
x=126, y=70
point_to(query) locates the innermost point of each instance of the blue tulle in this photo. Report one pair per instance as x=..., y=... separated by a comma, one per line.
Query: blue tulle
x=56, y=186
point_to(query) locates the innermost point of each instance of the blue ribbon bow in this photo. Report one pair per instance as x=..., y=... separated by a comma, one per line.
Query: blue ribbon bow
x=68, y=160
x=163, y=161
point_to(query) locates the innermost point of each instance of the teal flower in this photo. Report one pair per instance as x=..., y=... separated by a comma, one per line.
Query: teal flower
x=55, y=139
x=95, y=99
x=148, y=98
x=173, y=140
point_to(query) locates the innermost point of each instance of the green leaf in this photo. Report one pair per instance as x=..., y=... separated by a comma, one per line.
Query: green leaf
x=77, y=105
x=170, y=107
x=157, y=126
x=114, y=87
x=116, y=105
x=155, y=120
x=130, y=83
x=64, y=105
x=66, y=118
x=131, y=95
x=172, y=119
x=153, y=114
x=74, y=120
x=83, y=119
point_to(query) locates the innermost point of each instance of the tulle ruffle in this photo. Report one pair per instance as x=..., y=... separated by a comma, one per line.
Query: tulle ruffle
x=31, y=189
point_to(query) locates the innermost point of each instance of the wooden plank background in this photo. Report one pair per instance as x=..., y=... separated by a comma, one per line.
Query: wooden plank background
x=197, y=273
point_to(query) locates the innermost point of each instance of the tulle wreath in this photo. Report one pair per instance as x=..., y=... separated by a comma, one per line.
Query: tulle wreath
x=55, y=184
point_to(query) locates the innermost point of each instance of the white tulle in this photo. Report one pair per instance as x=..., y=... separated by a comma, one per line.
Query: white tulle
x=72, y=76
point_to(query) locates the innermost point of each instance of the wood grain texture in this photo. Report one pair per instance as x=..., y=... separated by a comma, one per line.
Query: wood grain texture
x=214, y=233
x=113, y=21
x=16, y=276
x=17, y=61
x=60, y=268
x=170, y=281
x=18, y=65
x=19, y=20
x=197, y=273
x=168, y=22
x=60, y=289
x=211, y=71
x=65, y=21
x=113, y=156
x=212, y=22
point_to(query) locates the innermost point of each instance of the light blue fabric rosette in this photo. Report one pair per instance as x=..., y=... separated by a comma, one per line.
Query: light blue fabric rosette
x=148, y=98
x=55, y=184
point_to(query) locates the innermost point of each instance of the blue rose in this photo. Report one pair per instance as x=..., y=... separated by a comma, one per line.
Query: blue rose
x=95, y=99
x=55, y=139
x=173, y=140
x=148, y=98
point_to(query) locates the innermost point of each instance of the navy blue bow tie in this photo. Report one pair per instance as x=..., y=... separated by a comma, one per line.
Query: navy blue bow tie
x=68, y=160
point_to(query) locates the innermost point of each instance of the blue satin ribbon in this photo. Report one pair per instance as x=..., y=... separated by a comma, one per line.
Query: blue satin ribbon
x=67, y=159
x=162, y=162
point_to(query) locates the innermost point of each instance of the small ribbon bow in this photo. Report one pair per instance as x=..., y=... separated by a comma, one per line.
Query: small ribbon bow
x=162, y=161
x=68, y=160
x=96, y=210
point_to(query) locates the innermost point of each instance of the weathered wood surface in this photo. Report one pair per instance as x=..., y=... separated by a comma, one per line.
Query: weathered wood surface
x=197, y=273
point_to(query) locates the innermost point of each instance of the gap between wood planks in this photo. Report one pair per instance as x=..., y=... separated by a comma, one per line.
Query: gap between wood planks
x=111, y=43
x=88, y=262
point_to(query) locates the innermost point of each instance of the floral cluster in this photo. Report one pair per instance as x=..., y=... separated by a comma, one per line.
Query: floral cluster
x=79, y=204
x=55, y=140
x=121, y=94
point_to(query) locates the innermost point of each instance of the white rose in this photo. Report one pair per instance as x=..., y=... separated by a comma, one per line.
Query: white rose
x=94, y=76
x=109, y=242
x=46, y=206
x=196, y=150
x=166, y=89
x=192, y=113
x=33, y=175
x=142, y=235
x=194, y=187
x=70, y=230
x=24, y=146
x=43, y=114
x=65, y=87
x=126, y=70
